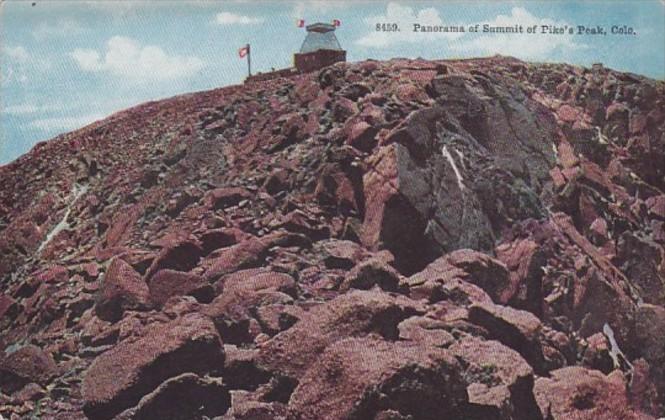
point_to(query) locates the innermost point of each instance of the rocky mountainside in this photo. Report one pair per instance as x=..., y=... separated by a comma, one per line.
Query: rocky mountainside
x=408, y=239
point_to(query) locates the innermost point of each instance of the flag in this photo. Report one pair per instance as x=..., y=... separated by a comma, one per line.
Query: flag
x=336, y=22
x=300, y=23
x=242, y=52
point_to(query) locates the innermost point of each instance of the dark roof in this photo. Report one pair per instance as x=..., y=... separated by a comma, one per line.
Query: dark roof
x=320, y=27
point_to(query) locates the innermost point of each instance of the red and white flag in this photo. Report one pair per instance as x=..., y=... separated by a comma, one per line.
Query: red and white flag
x=242, y=52
x=336, y=22
x=300, y=23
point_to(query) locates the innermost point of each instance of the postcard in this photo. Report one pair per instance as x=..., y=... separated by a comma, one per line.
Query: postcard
x=304, y=210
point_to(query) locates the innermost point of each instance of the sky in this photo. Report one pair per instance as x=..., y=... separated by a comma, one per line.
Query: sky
x=65, y=64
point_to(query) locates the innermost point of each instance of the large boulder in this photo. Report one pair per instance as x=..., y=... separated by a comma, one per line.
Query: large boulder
x=371, y=273
x=181, y=255
x=358, y=378
x=519, y=330
x=650, y=341
x=453, y=175
x=120, y=377
x=241, y=295
x=578, y=393
x=442, y=281
x=25, y=365
x=353, y=314
x=246, y=254
x=187, y=396
x=484, y=271
x=122, y=288
x=500, y=381
x=167, y=283
x=524, y=259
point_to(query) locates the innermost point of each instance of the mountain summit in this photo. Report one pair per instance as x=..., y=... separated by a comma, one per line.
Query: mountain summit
x=402, y=239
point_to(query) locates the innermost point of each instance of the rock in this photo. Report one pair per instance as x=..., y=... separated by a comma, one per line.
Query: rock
x=246, y=254
x=167, y=283
x=339, y=187
x=362, y=136
x=355, y=91
x=278, y=317
x=576, y=392
x=181, y=256
x=7, y=306
x=650, y=342
x=597, y=354
x=344, y=108
x=649, y=319
x=122, y=289
x=254, y=280
x=500, y=381
x=357, y=378
x=241, y=370
x=221, y=198
x=247, y=407
x=524, y=260
x=642, y=388
x=643, y=261
x=341, y=254
x=241, y=294
x=186, y=396
x=443, y=281
x=519, y=330
x=353, y=314
x=425, y=331
x=568, y=114
x=276, y=182
x=370, y=273
x=120, y=377
x=25, y=365
x=214, y=239
x=656, y=206
x=30, y=392
x=566, y=155
x=484, y=271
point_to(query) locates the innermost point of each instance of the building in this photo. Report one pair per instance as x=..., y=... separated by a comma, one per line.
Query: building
x=320, y=48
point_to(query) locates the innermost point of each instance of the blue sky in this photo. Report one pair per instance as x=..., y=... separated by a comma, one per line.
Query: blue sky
x=64, y=64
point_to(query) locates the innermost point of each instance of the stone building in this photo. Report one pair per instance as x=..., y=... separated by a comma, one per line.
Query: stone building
x=319, y=49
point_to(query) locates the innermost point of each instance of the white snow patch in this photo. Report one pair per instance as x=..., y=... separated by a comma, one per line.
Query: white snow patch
x=461, y=157
x=615, y=351
x=601, y=138
x=75, y=194
x=458, y=174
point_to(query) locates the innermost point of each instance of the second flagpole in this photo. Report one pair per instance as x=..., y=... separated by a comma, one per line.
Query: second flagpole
x=249, y=60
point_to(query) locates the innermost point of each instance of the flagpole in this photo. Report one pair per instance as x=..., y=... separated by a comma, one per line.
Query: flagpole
x=249, y=60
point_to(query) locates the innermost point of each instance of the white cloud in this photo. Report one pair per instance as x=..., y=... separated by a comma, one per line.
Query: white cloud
x=405, y=17
x=18, y=53
x=526, y=46
x=117, y=8
x=228, y=18
x=125, y=57
x=61, y=28
x=65, y=123
x=304, y=9
x=32, y=108
x=16, y=61
x=20, y=109
x=88, y=60
x=121, y=8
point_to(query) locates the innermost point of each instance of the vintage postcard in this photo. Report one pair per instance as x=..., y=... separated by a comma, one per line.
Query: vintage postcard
x=304, y=210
